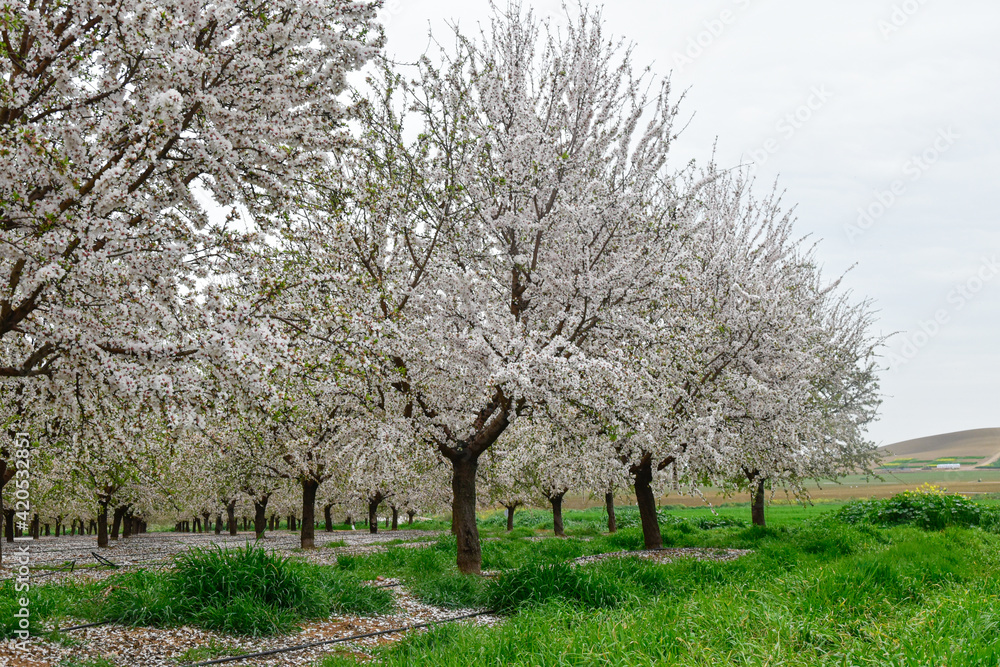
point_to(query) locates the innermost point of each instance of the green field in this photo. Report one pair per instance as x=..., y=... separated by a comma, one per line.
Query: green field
x=918, y=477
x=903, y=462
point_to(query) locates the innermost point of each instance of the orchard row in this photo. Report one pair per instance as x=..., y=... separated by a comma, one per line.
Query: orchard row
x=232, y=276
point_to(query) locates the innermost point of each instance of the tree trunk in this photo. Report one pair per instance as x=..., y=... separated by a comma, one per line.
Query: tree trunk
x=510, y=517
x=102, y=525
x=409, y=517
x=117, y=521
x=557, y=520
x=260, y=515
x=327, y=519
x=463, y=512
x=231, y=517
x=308, y=538
x=646, y=501
x=757, y=507
x=35, y=527
x=218, y=523
x=127, y=525
x=206, y=522
x=609, y=503
x=7, y=516
x=373, y=503
x=395, y=519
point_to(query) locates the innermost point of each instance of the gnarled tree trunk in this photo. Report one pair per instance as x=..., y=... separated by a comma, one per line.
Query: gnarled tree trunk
x=231, y=517
x=6, y=474
x=463, y=511
x=757, y=506
x=260, y=515
x=646, y=500
x=327, y=518
x=119, y=513
x=556, y=500
x=510, y=516
x=373, y=503
x=102, y=524
x=307, y=539
x=609, y=504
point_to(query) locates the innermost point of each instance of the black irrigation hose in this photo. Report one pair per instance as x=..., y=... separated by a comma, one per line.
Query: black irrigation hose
x=104, y=561
x=81, y=627
x=300, y=647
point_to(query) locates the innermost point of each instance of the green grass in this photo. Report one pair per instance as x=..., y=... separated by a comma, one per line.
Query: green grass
x=242, y=591
x=95, y=662
x=49, y=605
x=208, y=652
x=430, y=573
x=819, y=593
x=245, y=591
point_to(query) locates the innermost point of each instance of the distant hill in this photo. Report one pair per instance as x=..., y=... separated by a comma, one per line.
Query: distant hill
x=979, y=446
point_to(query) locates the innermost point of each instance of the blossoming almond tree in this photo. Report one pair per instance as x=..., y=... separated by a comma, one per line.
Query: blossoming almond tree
x=119, y=119
x=727, y=383
x=813, y=424
x=513, y=228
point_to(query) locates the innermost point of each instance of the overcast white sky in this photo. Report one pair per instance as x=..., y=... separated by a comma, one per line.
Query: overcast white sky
x=844, y=102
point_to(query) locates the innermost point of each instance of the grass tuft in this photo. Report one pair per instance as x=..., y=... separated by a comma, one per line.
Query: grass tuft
x=245, y=591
